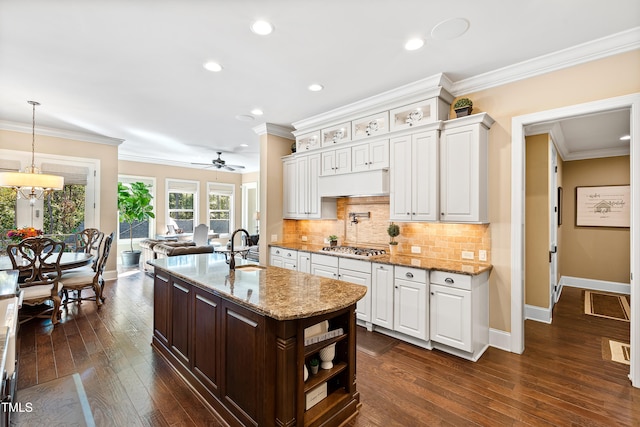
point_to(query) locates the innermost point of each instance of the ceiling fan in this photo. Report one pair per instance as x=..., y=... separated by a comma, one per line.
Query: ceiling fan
x=220, y=164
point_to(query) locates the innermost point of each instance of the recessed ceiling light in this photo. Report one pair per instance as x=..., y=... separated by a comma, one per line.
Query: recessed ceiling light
x=262, y=28
x=414, y=44
x=625, y=138
x=315, y=87
x=257, y=112
x=244, y=145
x=212, y=66
x=450, y=29
x=244, y=117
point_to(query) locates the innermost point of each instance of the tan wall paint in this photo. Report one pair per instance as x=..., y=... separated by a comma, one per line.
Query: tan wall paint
x=599, y=253
x=107, y=154
x=272, y=149
x=613, y=76
x=537, y=221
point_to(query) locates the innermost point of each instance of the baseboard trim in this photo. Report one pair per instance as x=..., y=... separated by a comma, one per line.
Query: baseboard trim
x=539, y=314
x=110, y=275
x=500, y=339
x=596, y=285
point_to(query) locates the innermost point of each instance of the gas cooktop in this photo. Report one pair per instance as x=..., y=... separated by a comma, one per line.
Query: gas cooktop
x=355, y=252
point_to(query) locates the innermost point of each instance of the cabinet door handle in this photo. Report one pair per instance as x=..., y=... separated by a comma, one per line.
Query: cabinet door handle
x=432, y=293
x=408, y=213
x=449, y=280
x=409, y=275
x=289, y=254
x=277, y=252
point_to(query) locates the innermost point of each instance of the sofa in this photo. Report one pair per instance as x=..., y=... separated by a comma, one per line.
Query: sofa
x=163, y=250
x=147, y=247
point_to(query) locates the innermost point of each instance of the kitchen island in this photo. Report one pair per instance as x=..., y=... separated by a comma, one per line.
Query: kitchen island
x=237, y=337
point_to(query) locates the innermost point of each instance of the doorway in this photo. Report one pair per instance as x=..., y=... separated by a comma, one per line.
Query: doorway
x=630, y=102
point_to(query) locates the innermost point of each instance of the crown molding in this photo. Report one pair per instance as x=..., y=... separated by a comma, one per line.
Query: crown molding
x=429, y=87
x=273, y=129
x=167, y=162
x=624, y=41
x=59, y=133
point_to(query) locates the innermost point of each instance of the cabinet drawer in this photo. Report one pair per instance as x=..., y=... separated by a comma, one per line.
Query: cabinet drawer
x=328, y=260
x=453, y=280
x=355, y=265
x=411, y=274
x=284, y=253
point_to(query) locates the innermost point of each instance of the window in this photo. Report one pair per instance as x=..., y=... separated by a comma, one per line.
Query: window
x=220, y=207
x=61, y=213
x=139, y=229
x=182, y=199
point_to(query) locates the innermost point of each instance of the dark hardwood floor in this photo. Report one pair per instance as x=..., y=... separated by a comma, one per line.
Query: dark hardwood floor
x=560, y=380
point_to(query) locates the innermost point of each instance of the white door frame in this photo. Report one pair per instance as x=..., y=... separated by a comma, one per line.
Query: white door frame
x=517, y=214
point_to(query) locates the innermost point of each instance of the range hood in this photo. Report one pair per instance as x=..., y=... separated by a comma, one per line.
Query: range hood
x=368, y=183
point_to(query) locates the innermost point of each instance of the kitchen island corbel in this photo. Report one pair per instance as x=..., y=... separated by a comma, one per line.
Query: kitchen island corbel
x=237, y=337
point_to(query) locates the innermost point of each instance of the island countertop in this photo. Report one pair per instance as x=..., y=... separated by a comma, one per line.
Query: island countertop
x=271, y=291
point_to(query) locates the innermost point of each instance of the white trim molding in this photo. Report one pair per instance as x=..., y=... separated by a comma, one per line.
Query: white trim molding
x=272, y=129
x=539, y=314
x=596, y=285
x=624, y=41
x=59, y=133
x=500, y=339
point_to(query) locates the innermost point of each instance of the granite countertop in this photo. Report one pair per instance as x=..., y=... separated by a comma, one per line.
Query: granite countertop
x=272, y=291
x=461, y=267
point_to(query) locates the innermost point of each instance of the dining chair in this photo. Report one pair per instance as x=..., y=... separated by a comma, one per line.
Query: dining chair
x=37, y=260
x=201, y=235
x=89, y=241
x=78, y=279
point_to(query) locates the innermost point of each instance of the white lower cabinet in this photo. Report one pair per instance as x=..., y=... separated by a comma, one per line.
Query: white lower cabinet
x=283, y=258
x=382, y=295
x=348, y=270
x=411, y=302
x=304, y=262
x=460, y=313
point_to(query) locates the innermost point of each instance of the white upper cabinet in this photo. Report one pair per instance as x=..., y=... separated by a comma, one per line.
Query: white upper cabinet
x=376, y=124
x=373, y=155
x=308, y=141
x=300, y=187
x=336, y=161
x=464, y=169
x=414, y=177
x=336, y=134
x=418, y=114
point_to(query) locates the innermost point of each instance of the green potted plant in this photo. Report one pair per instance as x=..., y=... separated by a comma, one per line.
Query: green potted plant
x=393, y=231
x=134, y=205
x=333, y=240
x=314, y=364
x=463, y=107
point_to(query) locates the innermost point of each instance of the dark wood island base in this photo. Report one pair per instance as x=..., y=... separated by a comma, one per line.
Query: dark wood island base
x=245, y=355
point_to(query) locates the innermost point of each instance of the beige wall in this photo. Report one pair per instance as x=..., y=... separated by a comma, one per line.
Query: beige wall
x=106, y=154
x=537, y=221
x=599, y=253
x=272, y=149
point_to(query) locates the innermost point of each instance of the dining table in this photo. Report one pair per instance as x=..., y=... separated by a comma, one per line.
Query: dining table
x=68, y=261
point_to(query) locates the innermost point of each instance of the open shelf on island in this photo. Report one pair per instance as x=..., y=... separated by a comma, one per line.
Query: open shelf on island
x=324, y=375
x=336, y=399
x=316, y=347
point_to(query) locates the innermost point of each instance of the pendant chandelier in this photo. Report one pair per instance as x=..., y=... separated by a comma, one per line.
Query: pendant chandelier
x=31, y=184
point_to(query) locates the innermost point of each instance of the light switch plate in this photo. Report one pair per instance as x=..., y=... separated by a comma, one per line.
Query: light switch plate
x=467, y=254
x=482, y=255
x=415, y=249
x=274, y=237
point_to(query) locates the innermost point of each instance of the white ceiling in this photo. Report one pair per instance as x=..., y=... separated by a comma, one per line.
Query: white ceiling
x=133, y=69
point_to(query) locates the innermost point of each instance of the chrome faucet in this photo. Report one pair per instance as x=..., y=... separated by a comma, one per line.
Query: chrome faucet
x=232, y=253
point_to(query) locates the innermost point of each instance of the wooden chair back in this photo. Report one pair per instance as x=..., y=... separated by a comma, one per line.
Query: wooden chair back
x=37, y=260
x=106, y=248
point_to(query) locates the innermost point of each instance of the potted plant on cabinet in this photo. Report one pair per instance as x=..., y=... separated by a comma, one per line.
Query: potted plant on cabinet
x=463, y=107
x=134, y=205
x=333, y=240
x=393, y=231
x=314, y=364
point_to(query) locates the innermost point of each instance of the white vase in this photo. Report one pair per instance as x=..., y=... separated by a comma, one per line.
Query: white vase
x=306, y=372
x=326, y=355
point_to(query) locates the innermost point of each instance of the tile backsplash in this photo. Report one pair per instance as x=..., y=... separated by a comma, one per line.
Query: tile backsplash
x=435, y=240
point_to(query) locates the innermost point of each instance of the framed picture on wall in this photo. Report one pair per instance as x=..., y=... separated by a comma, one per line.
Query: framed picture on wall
x=606, y=206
